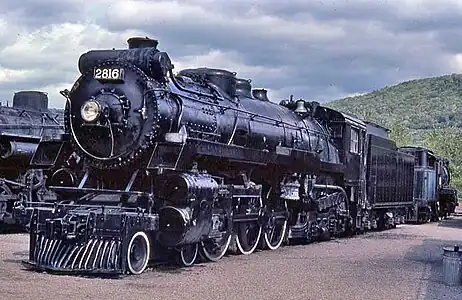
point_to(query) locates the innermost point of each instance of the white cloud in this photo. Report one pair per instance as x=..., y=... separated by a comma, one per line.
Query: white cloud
x=48, y=57
x=54, y=46
x=226, y=60
x=139, y=14
x=456, y=63
x=315, y=50
x=9, y=76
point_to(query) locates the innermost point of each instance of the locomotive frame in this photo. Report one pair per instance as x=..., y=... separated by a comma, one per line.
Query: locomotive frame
x=157, y=165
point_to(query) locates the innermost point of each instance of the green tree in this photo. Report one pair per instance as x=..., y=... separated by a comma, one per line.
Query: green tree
x=400, y=134
x=425, y=112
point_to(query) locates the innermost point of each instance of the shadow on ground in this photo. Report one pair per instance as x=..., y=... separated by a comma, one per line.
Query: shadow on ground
x=158, y=268
x=452, y=222
x=10, y=229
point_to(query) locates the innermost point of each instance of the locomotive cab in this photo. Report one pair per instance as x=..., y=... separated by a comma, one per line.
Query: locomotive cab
x=349, y=136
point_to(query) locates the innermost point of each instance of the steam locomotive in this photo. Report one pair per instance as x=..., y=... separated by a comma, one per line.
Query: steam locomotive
x=156, y=165
x=21, y=127
x=434, y=197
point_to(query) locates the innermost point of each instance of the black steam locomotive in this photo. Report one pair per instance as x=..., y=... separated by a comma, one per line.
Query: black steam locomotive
x=172, y=165
x=22, y=126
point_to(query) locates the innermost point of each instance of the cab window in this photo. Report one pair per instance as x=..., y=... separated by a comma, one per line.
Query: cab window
x=354, y=141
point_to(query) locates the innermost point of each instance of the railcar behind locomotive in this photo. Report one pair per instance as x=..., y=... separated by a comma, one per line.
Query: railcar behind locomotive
x=170, y=165
x=434, y=197
x=21, y=127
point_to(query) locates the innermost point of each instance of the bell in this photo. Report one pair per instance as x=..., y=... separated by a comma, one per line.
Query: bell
x=301, y=106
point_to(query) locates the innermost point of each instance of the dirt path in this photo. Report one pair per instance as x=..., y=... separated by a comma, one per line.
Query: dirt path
x=404, y=263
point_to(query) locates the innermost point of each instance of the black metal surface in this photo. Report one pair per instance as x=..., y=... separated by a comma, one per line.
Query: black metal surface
x=148, y=59
x=223, y=79
x=243, y=87
x=179, y=188
x=260, y=94
x=390, y=175
x=294, y=159
x=376, y=129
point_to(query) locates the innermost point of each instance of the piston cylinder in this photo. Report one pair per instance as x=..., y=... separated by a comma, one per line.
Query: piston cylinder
x=18, y=150
x=178, y=226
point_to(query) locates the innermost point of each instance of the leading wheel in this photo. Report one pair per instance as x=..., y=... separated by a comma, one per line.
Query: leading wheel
x=187, y=255
x=138, y=253
x=215, y=249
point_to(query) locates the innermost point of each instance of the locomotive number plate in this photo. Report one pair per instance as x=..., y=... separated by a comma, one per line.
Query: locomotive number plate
x=112, y=74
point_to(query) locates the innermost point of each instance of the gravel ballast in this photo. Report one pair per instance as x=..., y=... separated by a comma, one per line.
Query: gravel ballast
x=403, y=263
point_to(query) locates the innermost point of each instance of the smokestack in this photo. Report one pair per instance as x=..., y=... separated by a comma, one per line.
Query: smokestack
x=142, y=42
x=260, y=94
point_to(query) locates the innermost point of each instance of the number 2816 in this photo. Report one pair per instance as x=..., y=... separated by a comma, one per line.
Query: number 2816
x=109, y=73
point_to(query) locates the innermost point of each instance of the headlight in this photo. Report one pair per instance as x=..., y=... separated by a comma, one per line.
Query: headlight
x=90, y=111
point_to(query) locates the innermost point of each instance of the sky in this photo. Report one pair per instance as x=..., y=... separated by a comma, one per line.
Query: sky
x=315, y=50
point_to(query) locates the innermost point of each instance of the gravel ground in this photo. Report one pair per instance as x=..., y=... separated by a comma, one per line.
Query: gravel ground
x=403, y=263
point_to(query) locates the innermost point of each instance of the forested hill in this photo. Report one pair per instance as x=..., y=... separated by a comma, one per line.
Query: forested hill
x=425, y=112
